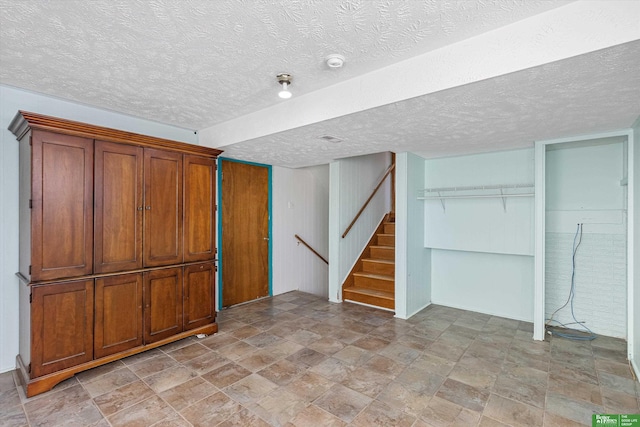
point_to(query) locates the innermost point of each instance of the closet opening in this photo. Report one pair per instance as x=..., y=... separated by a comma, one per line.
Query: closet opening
x=583, y=238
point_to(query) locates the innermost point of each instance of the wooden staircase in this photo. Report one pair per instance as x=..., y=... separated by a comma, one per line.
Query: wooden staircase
x=372, y=281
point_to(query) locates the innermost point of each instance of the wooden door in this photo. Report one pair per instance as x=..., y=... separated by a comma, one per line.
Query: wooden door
x=62, y=206
x=162, y=208
x=199, y=208
x=118, y=207
x=61, y=326
x=199, y=295
x=162, y=304
x=118, y=314
x=245, y=232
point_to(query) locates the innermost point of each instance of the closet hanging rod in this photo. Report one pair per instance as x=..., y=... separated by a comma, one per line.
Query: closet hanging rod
x=477, y=196
x=478, y=187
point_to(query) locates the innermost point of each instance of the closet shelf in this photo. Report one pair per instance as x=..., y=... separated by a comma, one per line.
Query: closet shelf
x=503, y=192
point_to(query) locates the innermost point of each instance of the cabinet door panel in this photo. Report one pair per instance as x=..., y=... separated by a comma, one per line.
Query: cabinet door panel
x=199, y=205
x=162, y=304
x=162, y=208
x=199, y=295
x=62, y=326
x=118, y=207
x=62, y=200
x=118, y=324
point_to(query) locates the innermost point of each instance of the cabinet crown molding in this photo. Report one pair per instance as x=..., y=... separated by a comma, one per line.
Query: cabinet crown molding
x=24, y=121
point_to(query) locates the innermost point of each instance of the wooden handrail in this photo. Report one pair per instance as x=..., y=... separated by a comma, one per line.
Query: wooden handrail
x=311, y=249
x=375, y=190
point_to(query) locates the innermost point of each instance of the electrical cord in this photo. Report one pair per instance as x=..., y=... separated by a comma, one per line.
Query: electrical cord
x=577, y=237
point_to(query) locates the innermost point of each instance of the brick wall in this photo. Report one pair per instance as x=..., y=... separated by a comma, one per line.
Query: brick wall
x=600, y=281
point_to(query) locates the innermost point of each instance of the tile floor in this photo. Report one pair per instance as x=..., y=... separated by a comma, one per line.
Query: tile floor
x=297, y=360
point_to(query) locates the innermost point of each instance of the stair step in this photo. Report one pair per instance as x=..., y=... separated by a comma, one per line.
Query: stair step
x=370, y=296
x=387, y=240
x=389, y=228
x=383, y=252
x=378, y=282
x=379, y=266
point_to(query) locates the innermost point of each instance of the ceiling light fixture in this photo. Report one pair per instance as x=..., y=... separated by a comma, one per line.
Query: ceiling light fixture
x=335, y=60
x=285, y=80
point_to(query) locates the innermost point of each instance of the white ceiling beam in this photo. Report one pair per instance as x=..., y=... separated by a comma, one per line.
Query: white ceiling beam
x=571, y=30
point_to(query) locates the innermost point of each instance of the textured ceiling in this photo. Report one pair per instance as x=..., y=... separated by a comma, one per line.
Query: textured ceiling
x=195, y=63
x=594, y=92
x=198, y=63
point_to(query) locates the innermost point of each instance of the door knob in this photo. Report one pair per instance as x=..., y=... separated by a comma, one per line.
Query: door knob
x=265, y=238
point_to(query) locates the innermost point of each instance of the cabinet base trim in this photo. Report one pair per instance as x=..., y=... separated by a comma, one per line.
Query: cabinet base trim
x=45, y=383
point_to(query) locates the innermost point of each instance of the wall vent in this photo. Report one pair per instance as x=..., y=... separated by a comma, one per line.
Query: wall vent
x=330, y=138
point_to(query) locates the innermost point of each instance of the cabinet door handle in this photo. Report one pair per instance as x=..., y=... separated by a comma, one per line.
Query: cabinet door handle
x=148, y=208
x=139, y=208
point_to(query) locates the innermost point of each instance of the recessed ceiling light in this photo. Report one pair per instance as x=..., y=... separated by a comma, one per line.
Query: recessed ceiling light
x=335, y=60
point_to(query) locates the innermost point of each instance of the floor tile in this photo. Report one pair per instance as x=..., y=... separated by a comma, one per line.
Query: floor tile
x=211, y=410
x=342, y=402
x=153, y=365
x=327, y=346
x=188, y=393
x=243, y=418
x=257, y=360
x=371, y=343
x=314, y=416
x=169, y=378
x=309, y=386
x=575, y=389
x=226, y=375
x=572, y=409
x=380, y=414
x=110, y=381
x=52, y=402
x=206, y=363
x=440, y=413
x=249, y=389
x=298, y=360
x=618, y=402
x=189, y=352
x=513, y=413
x=145, y=413
x=282, y=372
x=464, y=395
x=13, y=416
x=123, y=397
x=420, y=381
x=384, y=365
x=279, y=407
x=354, y=356
x=307, y=357
x=432, y=363
x=366, y=382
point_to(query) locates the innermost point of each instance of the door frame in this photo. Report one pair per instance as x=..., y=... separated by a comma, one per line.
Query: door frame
x=540, y=148
x=219, y=220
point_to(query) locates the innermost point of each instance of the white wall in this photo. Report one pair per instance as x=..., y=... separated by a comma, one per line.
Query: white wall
x=481, y=254
x=300, y=206
x=634, y=224
x=12, y=100
x=351, y=182
x=496, y=284
x=583, y=185
x=413, y=260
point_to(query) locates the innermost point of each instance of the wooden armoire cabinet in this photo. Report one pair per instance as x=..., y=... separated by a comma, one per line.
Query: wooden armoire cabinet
x=117, y=245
